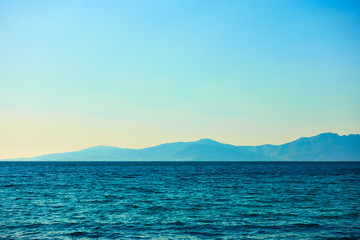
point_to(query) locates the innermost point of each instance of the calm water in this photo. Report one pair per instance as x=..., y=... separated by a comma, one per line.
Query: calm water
x=179, y=200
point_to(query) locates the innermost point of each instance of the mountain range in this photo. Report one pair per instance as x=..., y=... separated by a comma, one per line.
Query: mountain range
x=323, y=147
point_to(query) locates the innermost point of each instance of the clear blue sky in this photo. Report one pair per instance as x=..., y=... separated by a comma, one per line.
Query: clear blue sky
x=74, y=74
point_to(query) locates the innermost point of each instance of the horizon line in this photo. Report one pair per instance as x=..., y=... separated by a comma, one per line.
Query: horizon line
x=332, y=133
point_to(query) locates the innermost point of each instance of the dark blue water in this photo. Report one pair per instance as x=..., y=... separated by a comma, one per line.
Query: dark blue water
x=179, y=200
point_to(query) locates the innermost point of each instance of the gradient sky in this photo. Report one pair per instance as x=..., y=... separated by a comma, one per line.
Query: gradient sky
x=74, y=74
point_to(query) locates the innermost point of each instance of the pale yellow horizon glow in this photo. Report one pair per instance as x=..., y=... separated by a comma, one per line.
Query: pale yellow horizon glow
x=29, y=136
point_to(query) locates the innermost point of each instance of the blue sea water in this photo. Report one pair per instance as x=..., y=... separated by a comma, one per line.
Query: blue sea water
x=179, y=200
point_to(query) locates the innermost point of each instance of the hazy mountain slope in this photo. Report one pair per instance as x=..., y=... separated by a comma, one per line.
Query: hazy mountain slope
x=202, y=150
x=98, y=153
x=323, y=147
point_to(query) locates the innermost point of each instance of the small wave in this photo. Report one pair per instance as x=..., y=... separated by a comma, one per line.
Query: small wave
x=158, y=208
x=84, y=234
x=10, y=185
x=78, y=234
x=177, y=223
x=131, y=176
x=305, y=225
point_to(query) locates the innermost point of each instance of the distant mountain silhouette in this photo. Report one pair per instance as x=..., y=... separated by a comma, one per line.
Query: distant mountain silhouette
x=323, y=147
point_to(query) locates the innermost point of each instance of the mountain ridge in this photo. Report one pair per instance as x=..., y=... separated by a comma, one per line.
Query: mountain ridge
x=322, y=147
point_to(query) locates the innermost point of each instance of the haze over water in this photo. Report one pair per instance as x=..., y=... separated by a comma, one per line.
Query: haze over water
x=179, y=200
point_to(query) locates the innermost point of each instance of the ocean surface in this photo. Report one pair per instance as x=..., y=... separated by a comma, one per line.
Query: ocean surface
x=179, y=200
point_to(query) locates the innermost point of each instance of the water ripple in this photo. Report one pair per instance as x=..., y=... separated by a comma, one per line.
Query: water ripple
x=167, y=200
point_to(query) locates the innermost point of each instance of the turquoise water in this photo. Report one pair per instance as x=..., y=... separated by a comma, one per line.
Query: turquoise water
x=179, y=200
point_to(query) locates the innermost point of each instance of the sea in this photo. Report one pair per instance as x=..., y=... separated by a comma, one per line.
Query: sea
x=179, y=200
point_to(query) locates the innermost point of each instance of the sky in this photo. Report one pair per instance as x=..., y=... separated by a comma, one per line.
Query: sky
x=134, y=74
